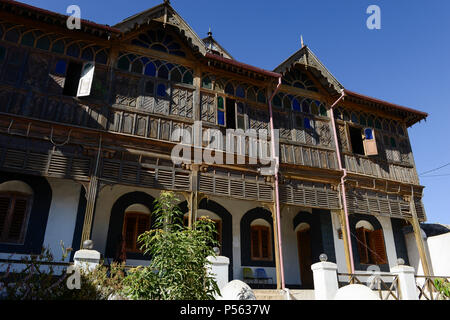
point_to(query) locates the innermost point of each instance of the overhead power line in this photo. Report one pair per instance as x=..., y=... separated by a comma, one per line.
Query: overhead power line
x=433, y=170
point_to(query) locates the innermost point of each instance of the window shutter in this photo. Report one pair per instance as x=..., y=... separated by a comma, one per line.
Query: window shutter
x=264, y=243
x=87, y=77
x=17, y=220
x=376, y=241
x=143, y=224
x=370, y=143
x=362, y=246
x=130, y=225
x=255, y=243
x=4, y=208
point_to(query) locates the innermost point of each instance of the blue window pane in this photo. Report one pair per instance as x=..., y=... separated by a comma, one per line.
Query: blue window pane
x=306, y=123
x=60, y=67
x=161, y=90
x=296, y=105
x=221, y=118
x=150, y=69
x=240, y=92
x=369, y=134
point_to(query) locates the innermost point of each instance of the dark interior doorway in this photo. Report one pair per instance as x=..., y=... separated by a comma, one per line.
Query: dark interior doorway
x=231, y=113
x=305, y=257
x=356, y=140
x=72, y=79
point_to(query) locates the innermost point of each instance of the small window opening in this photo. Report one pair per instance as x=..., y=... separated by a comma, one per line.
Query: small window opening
x=72, y=79
x=356, y=140
x=231, y=113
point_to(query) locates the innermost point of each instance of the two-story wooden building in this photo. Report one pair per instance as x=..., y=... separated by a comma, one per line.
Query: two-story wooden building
x=86, y=132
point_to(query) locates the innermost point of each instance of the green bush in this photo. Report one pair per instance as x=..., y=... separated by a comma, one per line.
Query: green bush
x=178, y=268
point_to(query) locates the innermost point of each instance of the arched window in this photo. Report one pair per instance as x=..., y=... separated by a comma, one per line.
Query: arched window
x=28, y=39
x=206, y=82
x=188, y=78
x=136, y=222
x=240, y=92
x=229, y=89
x=150, y=69
x=137, y=66
x=175, y=75
x=371, y=245
x=261, y=240
x=58, y=46
x=123, y=63
x=16, y=198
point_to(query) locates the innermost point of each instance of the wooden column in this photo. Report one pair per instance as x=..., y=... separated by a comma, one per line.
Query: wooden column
x=343, y=222
x=418, y=235
x=272, y=208
x=91, y=198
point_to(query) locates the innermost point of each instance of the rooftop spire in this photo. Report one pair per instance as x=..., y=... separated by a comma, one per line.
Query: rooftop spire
x=301, y=40
x=209, y=32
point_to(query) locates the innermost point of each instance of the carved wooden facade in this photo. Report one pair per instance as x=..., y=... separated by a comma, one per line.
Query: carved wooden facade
x=154, y=75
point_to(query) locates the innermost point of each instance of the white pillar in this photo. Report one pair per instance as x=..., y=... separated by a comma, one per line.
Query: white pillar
x=219, y=269
x=87, y=259
x=325, y=280
x=406, y=282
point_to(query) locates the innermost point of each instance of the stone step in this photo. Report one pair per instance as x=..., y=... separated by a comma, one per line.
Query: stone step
x=269, y=295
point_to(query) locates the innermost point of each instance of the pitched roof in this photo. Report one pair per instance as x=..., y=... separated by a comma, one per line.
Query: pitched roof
x=212, y=45
x=165, y=14
x=307, y=58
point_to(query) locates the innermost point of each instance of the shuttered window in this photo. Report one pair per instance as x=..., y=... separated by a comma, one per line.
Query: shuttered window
x=371, y=246
x=14, y=210
x=135, y=224
x=261, y=244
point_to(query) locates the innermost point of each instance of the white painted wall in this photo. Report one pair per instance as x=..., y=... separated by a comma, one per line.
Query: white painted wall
x=439, y=249
x=62, y=216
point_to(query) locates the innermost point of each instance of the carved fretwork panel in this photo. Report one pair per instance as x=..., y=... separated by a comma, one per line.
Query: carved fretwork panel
x=126, y=90
x=208, y=107
x=342, y=138
x=182, y=102
x=258, y=118
x=324, y=132
x=281, y=122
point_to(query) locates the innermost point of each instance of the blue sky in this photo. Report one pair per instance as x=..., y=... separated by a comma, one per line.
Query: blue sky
x=406, y=62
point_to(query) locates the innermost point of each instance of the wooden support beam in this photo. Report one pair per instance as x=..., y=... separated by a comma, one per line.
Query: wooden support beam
x=91, y=198
x=419, y=240
x=345, y=237
x=272, y=208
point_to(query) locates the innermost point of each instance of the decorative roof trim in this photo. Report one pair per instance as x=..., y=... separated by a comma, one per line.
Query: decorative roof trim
x=166, y=14
x=415, y=115
x=306, y=57
x=242, y=65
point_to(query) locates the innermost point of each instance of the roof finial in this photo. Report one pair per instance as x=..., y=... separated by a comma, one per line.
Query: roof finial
x=301, y=40
x=166, y=1
x=209, y=32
